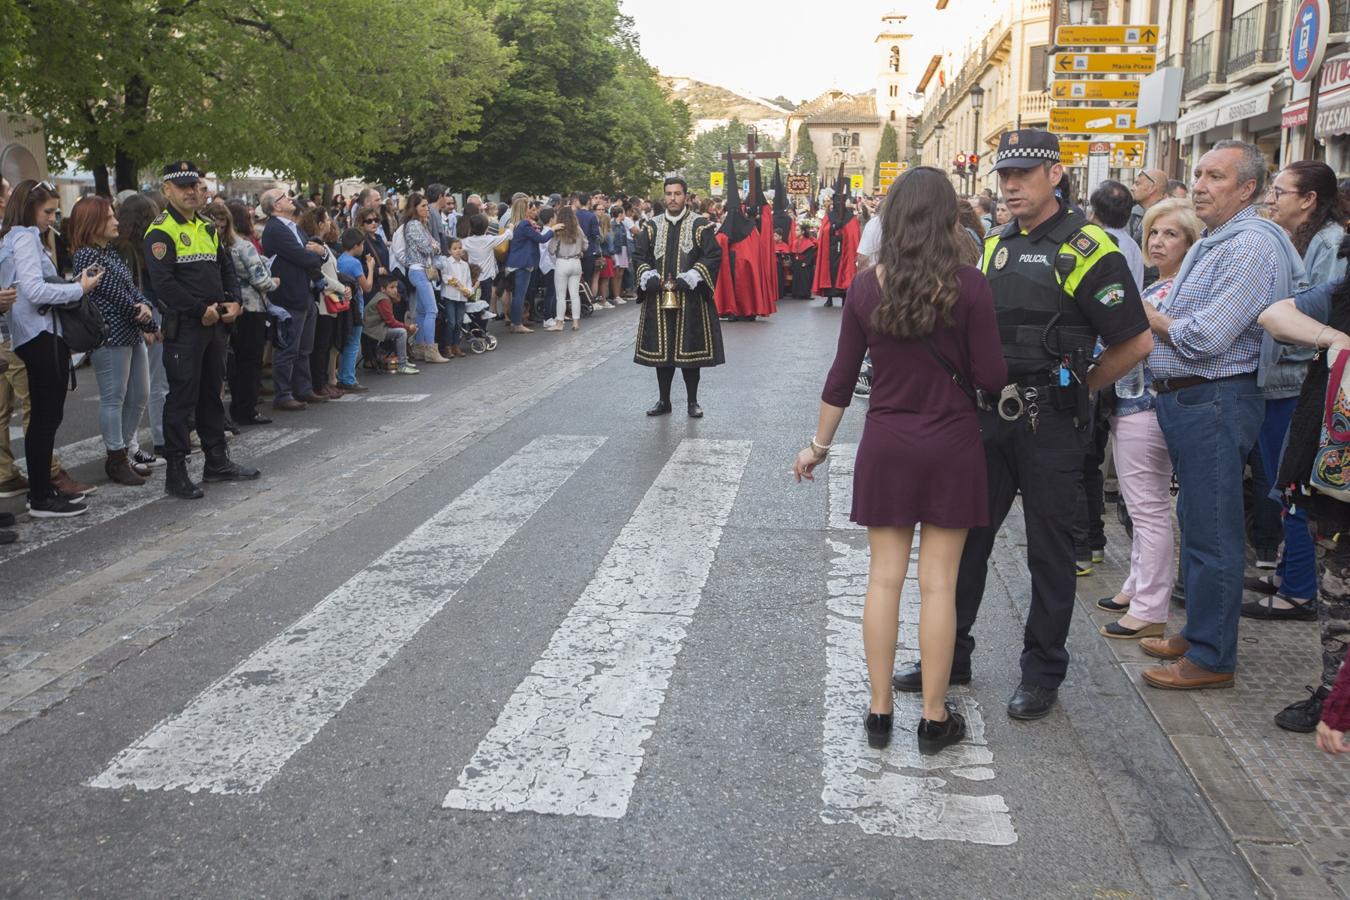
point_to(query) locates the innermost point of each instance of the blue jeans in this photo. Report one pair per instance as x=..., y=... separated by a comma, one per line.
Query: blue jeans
x=351, y=351
x=1210, y=429
x=1297, y=570
x=123, y=375
x=424, y=307
x=454, y=324
x=520, y=289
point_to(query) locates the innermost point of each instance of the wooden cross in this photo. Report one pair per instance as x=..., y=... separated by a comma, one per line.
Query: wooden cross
x=752, y=153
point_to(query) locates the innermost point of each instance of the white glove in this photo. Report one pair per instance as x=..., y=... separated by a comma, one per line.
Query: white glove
x=690, y=278
x=647, y=278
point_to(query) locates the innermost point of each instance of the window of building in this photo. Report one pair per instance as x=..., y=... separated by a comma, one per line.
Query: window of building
x=1036, y=67
x=895, y=90
x=895, y=59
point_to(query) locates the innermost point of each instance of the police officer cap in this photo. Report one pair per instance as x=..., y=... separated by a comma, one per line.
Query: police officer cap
x=1026, y=148
x=184, y=173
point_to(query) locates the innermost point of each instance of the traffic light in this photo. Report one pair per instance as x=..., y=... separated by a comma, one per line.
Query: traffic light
x=974, y=160
x=960, y=163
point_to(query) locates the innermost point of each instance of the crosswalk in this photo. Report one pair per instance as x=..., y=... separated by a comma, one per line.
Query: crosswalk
x=571, y=739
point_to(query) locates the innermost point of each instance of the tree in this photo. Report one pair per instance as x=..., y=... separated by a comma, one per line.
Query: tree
x=805, y=161
x=784, y=102
x=705, y=154
x=576, y=107
x=307, y=89
x=889, y=151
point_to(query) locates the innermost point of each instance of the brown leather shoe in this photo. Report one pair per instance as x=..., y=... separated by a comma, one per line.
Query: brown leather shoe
x=290, y=405
x=118, y=468
x=315, y=398
x=333, y=392
x=1184, y=675
x=67, y=485
x=1173, y=647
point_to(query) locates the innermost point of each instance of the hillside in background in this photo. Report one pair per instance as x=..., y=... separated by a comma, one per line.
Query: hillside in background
x=709, y=101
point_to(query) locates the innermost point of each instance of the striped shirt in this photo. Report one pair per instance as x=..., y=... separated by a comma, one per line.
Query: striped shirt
x=1214, y=333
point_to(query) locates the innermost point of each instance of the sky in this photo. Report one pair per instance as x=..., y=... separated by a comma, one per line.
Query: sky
x=726, y=42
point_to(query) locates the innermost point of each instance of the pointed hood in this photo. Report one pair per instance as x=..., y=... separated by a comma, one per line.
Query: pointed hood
x=782, y=218
x=840, y=214
x=735, y=224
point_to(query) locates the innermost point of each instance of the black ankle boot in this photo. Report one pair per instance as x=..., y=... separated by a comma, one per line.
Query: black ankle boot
x=695, y=411
x=933, y=736
x=219, y=467
x=878, y=727
x=662, y=408
x=177, y=481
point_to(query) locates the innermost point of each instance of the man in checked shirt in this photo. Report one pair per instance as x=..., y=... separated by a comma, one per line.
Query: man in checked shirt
x=1205, y=364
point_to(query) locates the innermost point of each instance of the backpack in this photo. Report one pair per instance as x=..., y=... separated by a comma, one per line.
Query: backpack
x=398, y=251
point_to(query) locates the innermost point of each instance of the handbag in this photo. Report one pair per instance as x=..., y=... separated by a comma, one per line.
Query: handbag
x=82, y=325
x=976, y=397
x=433, y=274
x=1331, y=466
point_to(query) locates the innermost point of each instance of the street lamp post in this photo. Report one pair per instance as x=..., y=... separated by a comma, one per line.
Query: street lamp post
x=938, y=129
x=976, y=104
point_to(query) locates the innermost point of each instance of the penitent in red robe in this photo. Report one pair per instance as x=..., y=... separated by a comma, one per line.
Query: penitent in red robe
x=740, y=282
x=835, y=275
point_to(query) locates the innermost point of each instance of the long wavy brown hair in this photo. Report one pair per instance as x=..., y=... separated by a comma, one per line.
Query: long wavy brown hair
x=922, y=246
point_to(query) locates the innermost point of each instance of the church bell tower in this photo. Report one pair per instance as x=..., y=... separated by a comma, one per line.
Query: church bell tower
x=893, y=69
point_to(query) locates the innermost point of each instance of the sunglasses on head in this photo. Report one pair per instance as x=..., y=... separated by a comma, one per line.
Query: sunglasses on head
x=47, y=186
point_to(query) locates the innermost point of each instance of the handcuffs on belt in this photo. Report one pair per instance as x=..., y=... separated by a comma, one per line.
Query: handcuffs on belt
x=1015, y=401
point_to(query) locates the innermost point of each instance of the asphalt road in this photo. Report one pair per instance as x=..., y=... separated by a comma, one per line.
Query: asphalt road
x=515, y=638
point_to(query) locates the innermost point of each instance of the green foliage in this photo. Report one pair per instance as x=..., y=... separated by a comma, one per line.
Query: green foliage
x=784, y=102
x=307, y=89
x=805, y=161
x=577, y=107
x=705, y=154
x=889, y=151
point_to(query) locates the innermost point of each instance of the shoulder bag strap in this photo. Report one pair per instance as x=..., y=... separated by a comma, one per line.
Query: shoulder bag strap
x=957, y=378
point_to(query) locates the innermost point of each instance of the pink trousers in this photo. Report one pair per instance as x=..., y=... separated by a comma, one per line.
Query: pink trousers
x=1144, y=472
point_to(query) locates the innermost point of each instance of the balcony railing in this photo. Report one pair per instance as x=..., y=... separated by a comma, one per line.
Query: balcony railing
x=1200, y=68
x=1034, y=105
x=1255, y=38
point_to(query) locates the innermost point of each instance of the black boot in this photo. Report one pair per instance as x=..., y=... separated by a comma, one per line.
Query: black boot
x=219, y=467
x=177, y=481
x=662, y=408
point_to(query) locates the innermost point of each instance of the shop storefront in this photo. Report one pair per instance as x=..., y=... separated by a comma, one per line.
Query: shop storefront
x=1251, y=114
x=1333, y=117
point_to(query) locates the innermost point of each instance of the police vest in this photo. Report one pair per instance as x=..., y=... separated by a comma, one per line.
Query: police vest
x=1033, y=284
x=194, y=241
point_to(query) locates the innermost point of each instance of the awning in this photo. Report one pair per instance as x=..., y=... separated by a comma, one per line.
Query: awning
x=1333, y=115
x=1235, y=107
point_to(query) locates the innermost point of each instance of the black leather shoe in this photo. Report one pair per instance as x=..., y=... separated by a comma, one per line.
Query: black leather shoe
x=934, y=736
x=1031, y=701
x=255, y=419
x=910, y=681
x=1301, y=611
x=177, y=481
x=662, y=408
x=219, y=467
x=878, y=729
x=695, y=411
x=1302, y=716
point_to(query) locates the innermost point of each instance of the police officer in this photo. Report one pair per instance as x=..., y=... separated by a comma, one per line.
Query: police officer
x=1059, y=284
x=194, y=282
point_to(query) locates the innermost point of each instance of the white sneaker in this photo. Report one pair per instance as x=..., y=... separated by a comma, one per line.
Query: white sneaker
x=620, y=301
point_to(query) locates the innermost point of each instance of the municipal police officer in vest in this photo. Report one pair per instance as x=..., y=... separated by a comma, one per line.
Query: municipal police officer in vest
x=1059, y=284
x=194, y=282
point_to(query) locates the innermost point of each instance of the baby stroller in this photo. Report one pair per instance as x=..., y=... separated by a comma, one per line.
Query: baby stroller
x=544, y=309
x=476, y=318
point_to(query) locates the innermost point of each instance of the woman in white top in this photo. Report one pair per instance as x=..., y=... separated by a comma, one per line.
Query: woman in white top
x=36, y=332
x=481, y=248
x=567, y=248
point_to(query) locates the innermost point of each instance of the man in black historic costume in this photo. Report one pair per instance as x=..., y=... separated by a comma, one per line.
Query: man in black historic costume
x=677, y=252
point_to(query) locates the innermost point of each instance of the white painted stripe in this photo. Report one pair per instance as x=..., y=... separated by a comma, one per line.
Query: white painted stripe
x=76, y=453
x=896, y=791
x=238, y=733
x=570, y=739
x=393, y=398
x=114, y=501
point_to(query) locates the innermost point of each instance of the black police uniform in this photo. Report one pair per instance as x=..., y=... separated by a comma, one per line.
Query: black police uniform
x=190, y=270
x=1056, y=289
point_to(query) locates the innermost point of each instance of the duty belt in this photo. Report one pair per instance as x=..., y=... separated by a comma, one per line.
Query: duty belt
x=1023, y=398
x=1168, y=385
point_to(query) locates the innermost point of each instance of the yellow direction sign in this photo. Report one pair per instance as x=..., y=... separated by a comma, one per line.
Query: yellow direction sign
x=1095, y=90
x=1101, y=120
x=890, y=168
x=716, y=183
x=1097, y=63
x=1106, y=35
x=856, y=183
x=1124, y=154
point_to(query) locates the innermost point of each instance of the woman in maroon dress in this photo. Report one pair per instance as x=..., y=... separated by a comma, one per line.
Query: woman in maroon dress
x=921, y=459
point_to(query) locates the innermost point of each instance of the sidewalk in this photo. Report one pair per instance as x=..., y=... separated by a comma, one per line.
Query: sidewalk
x=1285, y=803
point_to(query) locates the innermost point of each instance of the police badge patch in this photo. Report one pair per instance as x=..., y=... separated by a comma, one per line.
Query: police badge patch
x=1084, y=244
x=1001, y=258
x=158, y=250
x=187, y=241
x=1111, y=296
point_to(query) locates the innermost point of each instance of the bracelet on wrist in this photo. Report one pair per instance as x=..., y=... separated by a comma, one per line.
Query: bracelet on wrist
x=822, y=449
